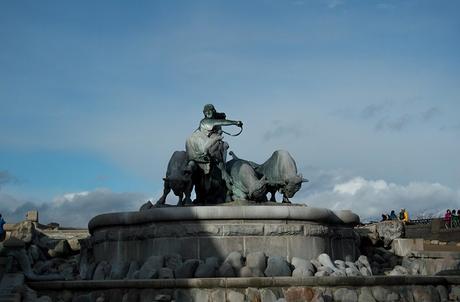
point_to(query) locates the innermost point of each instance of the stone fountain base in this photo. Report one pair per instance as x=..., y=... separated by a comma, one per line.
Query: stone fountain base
x=199, y=232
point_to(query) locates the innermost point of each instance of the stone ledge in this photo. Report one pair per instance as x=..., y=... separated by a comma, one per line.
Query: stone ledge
x=194, y=213
x=247, y=282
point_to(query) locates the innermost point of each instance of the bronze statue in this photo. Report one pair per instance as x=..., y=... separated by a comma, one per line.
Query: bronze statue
x=203, y=165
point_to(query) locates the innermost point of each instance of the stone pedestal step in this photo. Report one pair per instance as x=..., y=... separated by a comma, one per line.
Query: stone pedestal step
x=16, y=297
x=8, y=284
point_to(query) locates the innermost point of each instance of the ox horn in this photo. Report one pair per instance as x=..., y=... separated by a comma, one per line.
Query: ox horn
x=303, y=179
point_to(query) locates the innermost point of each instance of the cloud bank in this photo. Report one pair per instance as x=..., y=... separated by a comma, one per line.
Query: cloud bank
x=72, y=209
x=370, y=198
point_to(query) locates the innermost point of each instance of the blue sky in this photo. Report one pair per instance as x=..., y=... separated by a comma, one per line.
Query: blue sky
x=95, y=97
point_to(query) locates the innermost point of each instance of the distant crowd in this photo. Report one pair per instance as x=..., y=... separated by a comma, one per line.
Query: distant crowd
x=451, y=219
x=402, y=216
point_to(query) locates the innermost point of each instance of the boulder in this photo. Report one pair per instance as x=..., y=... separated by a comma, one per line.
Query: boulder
x=226, y=270
x=345, y=295
x=102, y=271
x=301, y=272
x=245, y=272
x=256, y=260
x=235, y=259
x=321, y=274
x=173, y=261
x=340, y=264
x=206, y=270
x=234, y=296
x=165, y=273
x=325, y=260
x=214, y=261
x=119, y=270
x=299, y=263
x=151, y=267
x=186, y=269
x=352, y=272
x=277, y=266
x=61, y=250
x=133, y=267
x=266, y=295
x=146, y=206
x=24, y=231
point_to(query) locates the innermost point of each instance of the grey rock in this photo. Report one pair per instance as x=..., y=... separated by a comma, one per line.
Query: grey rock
x=235, y=259
x=102, y=271
x=206, y=270
x=339, y=273
x=181, y=295
x=316, y=264
x=187, y=269
x=443, y=294
x=226, y=270
x=365, y=295
x=173, y=261
x=321, y=274
x=301, y=272
x=44, y=299
x=302, y=264
x=277, y=266
x=327, y=269
x=119, y=270
x=24, y=231
x=425, y=294
x=266, y=295
x=214, y=261
x=382, y=294
x=62, y=249
x=364, y=261
x=151, y=267
x=74, y=244
x=325, y=260
x=162, y=297
x=136, y=275
x=165, y=273
x=365, y=272
x=340, y=264
x=351, y=265
x=345, y=295
x=252, y=294
x=34, y=252
x=83, y=298
x=146, y=206
x=399, y=270
x=133, y=267
x=199, y=294
x=218, y=295
x=234, y=296
x=245, y=272
x=256, y=260
x=257, y=273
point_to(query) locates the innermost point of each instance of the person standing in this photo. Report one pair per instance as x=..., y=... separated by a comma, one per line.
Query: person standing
x=455, y=218
x=2, y=231
x=448, y=219
x=393, y=215
x=406, y=216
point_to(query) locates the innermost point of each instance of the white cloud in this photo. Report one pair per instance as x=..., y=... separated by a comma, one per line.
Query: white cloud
x=72, y=209
x=370, y=198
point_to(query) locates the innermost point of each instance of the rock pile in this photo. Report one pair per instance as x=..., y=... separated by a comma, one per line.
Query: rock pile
x=40, y=257
x=235, y=265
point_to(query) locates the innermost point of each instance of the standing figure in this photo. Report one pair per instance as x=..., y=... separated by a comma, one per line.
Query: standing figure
x=206, y=149
x=2, y=231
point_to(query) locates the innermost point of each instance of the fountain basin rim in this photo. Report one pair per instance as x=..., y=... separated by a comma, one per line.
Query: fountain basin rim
x=202, y=213
x=258, y=282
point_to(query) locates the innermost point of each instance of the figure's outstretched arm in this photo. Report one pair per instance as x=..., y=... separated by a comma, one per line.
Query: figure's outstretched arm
x=222, y=122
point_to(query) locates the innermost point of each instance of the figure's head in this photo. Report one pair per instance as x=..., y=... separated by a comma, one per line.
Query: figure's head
x=209, y=110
